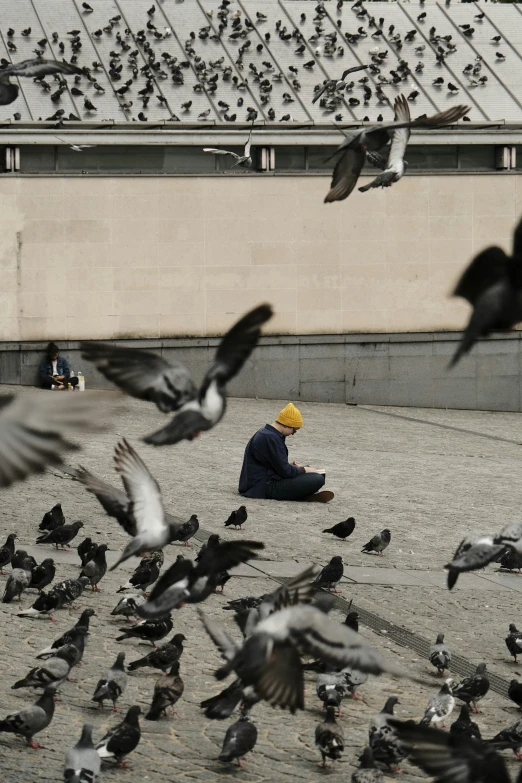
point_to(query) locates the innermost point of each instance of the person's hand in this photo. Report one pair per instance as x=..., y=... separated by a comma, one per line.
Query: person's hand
x=60, y=386
x=59, y=377
x=297, y=465
x=312, y=470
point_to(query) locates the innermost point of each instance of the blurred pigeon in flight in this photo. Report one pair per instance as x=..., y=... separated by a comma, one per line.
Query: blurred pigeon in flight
x=33, y=69
x=244, y=160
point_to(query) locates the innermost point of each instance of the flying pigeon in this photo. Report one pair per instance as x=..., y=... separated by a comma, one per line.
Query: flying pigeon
x=240, y=739
x=244, y=160
x=82, y=763
x=378, y=543
x=31, y=720
x=329, y=737
x=113, y=684
x=373, y=138
x=331, y=84
x=342, y=530
x=492, y=284
x=167, y=691
x=440, y=655
x=473, y=552
x=225, y=703
x=394, y=168
x=122, y=739
x=34, y=69
x=149, y=377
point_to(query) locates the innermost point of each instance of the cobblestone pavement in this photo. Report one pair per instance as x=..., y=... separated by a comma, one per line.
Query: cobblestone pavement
x=428, y=475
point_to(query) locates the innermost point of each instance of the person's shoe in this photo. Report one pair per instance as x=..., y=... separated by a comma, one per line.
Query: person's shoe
x=320, y=497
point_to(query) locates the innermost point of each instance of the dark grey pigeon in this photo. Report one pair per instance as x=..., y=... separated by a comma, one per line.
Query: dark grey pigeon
x=187, y=530
x=331, y=574
x=367, y=772
x=19, y=579
x=329, y=737
x=82, y=763
x=61, y=536
x=162, y=657
x=113, y=684
x=128, y=605
x=7, y=552
x=515, y=692
x=55, y=670
x=96, y=568
x=237, y=518
x=69, y=636
x=84, y=549
x=342, y=529
x=464, y=726
x=167, y=691
x=43, y=574
x=378, y=543
x=122, y=739
x=440, y=655
x=45, y=605
x=31, y=720
x=52, y=519
x=148, y=630
x=240, y=739
x=472, y=689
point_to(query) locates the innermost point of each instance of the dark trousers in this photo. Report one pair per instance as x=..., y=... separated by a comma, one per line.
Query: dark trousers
x=48, y=381
x=295, y=488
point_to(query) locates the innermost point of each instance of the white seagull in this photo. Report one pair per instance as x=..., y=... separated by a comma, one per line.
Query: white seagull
x=244, y=160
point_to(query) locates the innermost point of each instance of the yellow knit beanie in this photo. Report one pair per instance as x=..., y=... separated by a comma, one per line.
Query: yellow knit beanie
x=290, y=416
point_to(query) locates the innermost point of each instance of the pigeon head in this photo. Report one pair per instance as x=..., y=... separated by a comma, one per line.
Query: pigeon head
x=390, y=704
x=440, y=638
x=179, y=638
x=481, y=668
x=386, y=532
x=446, y=688
x=86, y=738
x=513, y=628
x=103, y=548
x=120, y=660
x=213, y=540
x=48, y=562
x=337, y=559
x=87, y=612
x=78, y=525
x=133, y=715
x=11, y=537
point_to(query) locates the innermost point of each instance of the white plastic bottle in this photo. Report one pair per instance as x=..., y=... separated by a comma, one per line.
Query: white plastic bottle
x=81, y=381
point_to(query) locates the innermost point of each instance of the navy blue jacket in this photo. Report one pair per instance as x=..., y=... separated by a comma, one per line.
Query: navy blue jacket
x=266, y=459
x=62, y=368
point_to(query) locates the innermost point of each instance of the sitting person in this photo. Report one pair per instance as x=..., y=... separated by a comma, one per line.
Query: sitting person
x=266, y=472
x=54, y=370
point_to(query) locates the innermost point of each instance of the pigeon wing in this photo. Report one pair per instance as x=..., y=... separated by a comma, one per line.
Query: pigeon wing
x=113, y=501
x=177, y=572
x=401, y=135
x=36, y=68
x=226, y=646
x=281, y=680
x=486, y=269
x=353, y=69
x=345, y=175
x=517, y=240
x=183, y=426
x=146, y=506
x=377, y=160
x=226, y=555
x=248, y=145
x=215, y=151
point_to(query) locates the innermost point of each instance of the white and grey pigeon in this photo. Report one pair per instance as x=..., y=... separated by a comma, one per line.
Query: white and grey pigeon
x=141, y=514
x=379, y=725
x=270, y=660
x=18, y=580
x=33, y=69
x=244, y=160
x=82, y=763
x=113, y=684
x=170, y=386
x=33, y=719
x=373, y=138
x=440, y=655
x=440, y=706
x=128, y=605
x=473, y=552
x=394, y=168
x=54, y=670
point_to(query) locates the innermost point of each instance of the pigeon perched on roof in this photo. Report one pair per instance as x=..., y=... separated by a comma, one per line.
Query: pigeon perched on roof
x=186, y=582
x=243, y=161
x=60, y=536
x=140, y=512
x=128, y=605
x=18, y=580
x=367, y=772
x=187, y=530
x=33, y=719
x=96, y=568
x=122, y=739
x=148, y=630
x=162, y=657
x=448, y=757
x=34, y=69
x=113, y=684
x=440, y=706
x=240, y=739
x=7, y=551
x=472, y=689
x=492, y=284
x=464, y=726
x=170, y=386
x=439, y=655
x=342, y=529
x=43, y=574
x=329, y=737
x=68, y=636
x=82, y=763
x=52, y=519
x=372, y=138
x=237, y=518
x=55, y=670
x=167, y=691
x=515, y=692
x=378, y=543
x=331, y=574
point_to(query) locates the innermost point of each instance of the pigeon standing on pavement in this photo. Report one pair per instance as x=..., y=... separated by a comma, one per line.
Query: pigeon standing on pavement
x=342, y=529
x=162, y=657
x=128, y=605
x=31, y=720
x=52, y=519
x=187, y=530
x=514, y=641
x=85, y=548
x=367, y=772
x=113, y=684
x=7, y=552
x=329, y=737
x=240, y=739
x=440, y=706
x=68, y=636
x=148, y=630
x=122, y=739
x=378, y=543
x=472, y=689
x=55, y=670
x=43, y=574
x=45, y=604
x=60, y=536
x=464, y=726
x=515, y=692
x=167, y=691
x=96, y=568
x=331, y=574
x=82, y=763
x=440, y=655
x=149, y=377
x=19, y=579
x=237, y=518
x=145, y=574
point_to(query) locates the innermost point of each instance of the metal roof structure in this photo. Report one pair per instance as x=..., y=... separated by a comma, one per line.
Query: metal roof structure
x=222, y=61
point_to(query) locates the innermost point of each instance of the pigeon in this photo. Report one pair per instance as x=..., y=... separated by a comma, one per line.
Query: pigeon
x=85, y=549
x=244, y=160
x=96, y=568
x=43, y=574
x=148, y=630
x=464, y=726
x=225, y=703
x=19, y=579
x=240, y=739
x=34, y=69
x=331, y=574
x=162, y=657
x=379, y=724
x=473, y=552
x=31, y=720
x=61, y=536
x=19, y=558
x=144, y=575
x=342, y=530
x=7, y=551
x=82, y=763
x=269, y=659
x=69, y=635
x=329, y=737
x=45, y=604
x=447, y=757
x=394, y=168
x=185, y=582
x=515, y=692
x=187, y=530
x=440, y=655
x=371, y=139
x=122, y=739
x=492, y=284
x=513, y=736
x=510, y=561
x=141, y=514
x=72, y=589
x=332, y=84
x=52, y=519
x=472, y=689
x=212, y=541
x=55, y=670
x=128, y=605
x=387, y=749
x=167, y=691
x=440, y=706
x=514, y=641
x=113, y=684
x=330, y=688
x=237, y=518
x=378, y=543
x=367, y=772
x=149, y=377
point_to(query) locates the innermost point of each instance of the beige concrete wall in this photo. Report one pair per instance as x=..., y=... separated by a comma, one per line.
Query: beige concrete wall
x=146, y=257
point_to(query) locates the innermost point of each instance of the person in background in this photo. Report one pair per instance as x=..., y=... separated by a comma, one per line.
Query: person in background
x=54, y=370
x=266, y=472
